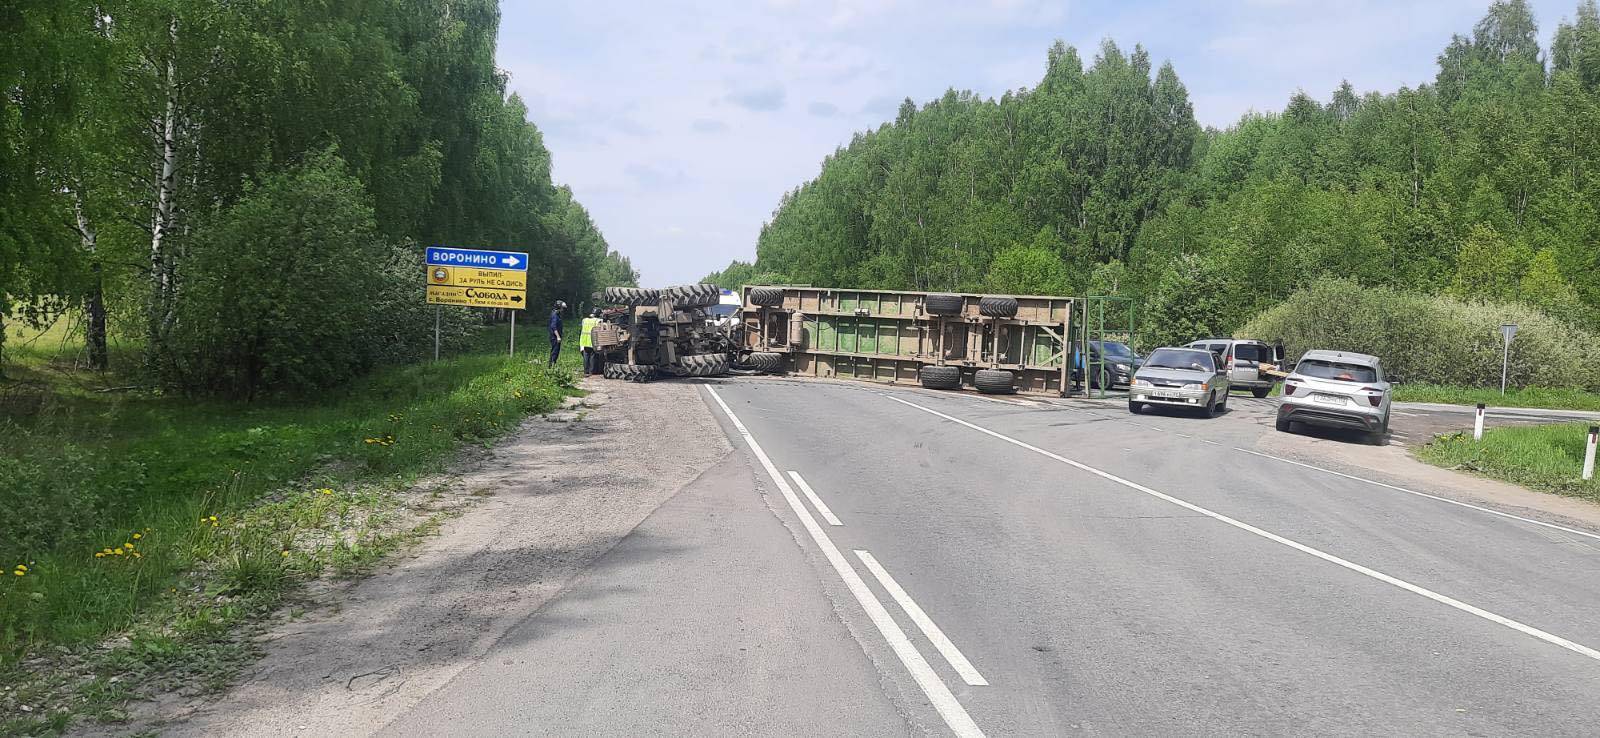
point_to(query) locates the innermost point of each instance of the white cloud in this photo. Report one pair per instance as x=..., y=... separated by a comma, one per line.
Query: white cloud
x=763, y=98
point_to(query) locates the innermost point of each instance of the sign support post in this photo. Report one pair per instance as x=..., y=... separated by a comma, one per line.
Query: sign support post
x=513, y=333
x=436, y=310
x=1507, y=331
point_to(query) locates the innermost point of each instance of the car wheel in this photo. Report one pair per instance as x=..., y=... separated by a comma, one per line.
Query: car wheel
x=1135, y=407
x=1283, y=424
x=1222, y=407
x=1210, y=410
x=1260, y=393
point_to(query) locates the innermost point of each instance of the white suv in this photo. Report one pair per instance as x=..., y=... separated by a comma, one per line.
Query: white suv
x=1337, y=389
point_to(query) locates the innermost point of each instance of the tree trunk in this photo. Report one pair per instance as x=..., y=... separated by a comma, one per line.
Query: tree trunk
x=95, y=336
x=160, y=261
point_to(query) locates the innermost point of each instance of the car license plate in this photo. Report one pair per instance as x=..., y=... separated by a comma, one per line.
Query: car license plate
x=1328, y=399
x=1165, y=394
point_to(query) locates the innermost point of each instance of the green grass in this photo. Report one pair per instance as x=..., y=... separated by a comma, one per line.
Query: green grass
x=225, y=505
x=1536, y=397
x=1542, y=457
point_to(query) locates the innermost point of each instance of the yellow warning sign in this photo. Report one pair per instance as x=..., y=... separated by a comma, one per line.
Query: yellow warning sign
x=485, y=297
x=473, y=277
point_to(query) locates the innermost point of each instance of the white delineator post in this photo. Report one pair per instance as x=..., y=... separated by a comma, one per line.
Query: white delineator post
x=1477, y=424
x=1588, y=452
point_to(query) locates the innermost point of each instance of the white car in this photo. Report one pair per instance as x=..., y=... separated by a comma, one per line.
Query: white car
x=1337, y=389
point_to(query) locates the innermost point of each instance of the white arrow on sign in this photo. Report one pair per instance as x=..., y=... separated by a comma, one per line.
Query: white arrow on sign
x=512, y=261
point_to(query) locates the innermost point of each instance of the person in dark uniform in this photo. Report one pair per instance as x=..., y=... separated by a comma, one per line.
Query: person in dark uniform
x=555, y=331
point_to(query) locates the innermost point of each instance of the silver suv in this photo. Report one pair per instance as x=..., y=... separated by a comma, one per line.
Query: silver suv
x=1242, y=358
x=1179, y=377
x=1337, y=389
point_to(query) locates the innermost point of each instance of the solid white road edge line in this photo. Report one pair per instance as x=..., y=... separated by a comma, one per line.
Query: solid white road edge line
x=947, y=649
x=932, y=686
x=1301, y=547
x=1458, y=503
x=815, y=500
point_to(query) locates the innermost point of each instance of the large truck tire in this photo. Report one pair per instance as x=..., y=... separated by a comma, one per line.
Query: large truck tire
x=766, y=296
x=703, y=365
x=631, y=296
x=693, y=295
x=994, y=381
x=940, y=377
x=998, y=307
x=766, y=361
x=629, y=372
x=942, y=304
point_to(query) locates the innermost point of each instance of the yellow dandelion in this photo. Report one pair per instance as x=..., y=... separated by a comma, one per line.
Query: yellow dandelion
x=105, y=550
x=138, y=555
x=20, y=573
x=129, y=544
x=286, y=552
x=117, y=552
x=22, y=567
x=99, y=554
x=213, y=518
x=137, y=536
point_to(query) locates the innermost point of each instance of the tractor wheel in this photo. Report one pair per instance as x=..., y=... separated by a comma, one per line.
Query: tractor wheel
x=766, y=361
x=631, y=372
x=693, y=295
x=940, y=377
x=998, y=307
x=766, y=296
x=631, y=296
x=942, y=304
x=1260, y=392
x=994, y=381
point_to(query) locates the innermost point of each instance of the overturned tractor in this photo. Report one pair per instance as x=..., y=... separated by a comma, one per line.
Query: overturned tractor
x=666, y=332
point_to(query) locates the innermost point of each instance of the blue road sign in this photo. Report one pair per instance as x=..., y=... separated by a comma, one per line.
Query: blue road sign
x=448, y=256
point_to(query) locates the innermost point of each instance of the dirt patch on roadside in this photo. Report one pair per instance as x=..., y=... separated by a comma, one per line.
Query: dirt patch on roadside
x=555, y=496
x=1395, y=465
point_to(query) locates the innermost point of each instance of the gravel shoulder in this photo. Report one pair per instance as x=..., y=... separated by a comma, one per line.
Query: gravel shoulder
x=555, y=497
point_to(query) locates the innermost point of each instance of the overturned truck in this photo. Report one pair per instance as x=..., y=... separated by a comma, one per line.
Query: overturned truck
x=992, y=343
x=667, y=332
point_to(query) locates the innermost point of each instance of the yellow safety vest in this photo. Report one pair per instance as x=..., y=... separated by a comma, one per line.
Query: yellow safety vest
x=586, y=340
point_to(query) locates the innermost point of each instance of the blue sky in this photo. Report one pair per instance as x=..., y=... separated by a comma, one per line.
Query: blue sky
x=680, y=124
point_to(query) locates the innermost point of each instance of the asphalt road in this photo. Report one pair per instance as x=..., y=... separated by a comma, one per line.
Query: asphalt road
x=1038, y=568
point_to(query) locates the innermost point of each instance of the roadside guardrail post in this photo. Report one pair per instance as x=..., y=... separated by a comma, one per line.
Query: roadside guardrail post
x=1588, y=452
x=1477, y=424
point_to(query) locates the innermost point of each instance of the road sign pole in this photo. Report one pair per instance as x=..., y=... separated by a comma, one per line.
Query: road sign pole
x=1477, y=424
x=513, y=333
x=1508, y=331
x=436, y=310
x=1505, y=363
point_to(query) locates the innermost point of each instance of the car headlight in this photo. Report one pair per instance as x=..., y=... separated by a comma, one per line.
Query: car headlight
x=1137, y=382
x=1195, y=386
x=1122, y=367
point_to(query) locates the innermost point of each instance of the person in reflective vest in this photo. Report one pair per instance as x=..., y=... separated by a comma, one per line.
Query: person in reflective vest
x=591, y=358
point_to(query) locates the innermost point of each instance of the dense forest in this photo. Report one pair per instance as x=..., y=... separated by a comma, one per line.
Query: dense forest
x=242, y=191
x=1484, y=184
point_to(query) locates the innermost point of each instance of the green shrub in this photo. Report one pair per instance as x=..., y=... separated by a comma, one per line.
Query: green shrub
x=1434, y=340
x=292, y=290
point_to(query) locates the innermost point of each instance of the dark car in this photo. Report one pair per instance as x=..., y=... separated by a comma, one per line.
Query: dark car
x=1112, y=362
